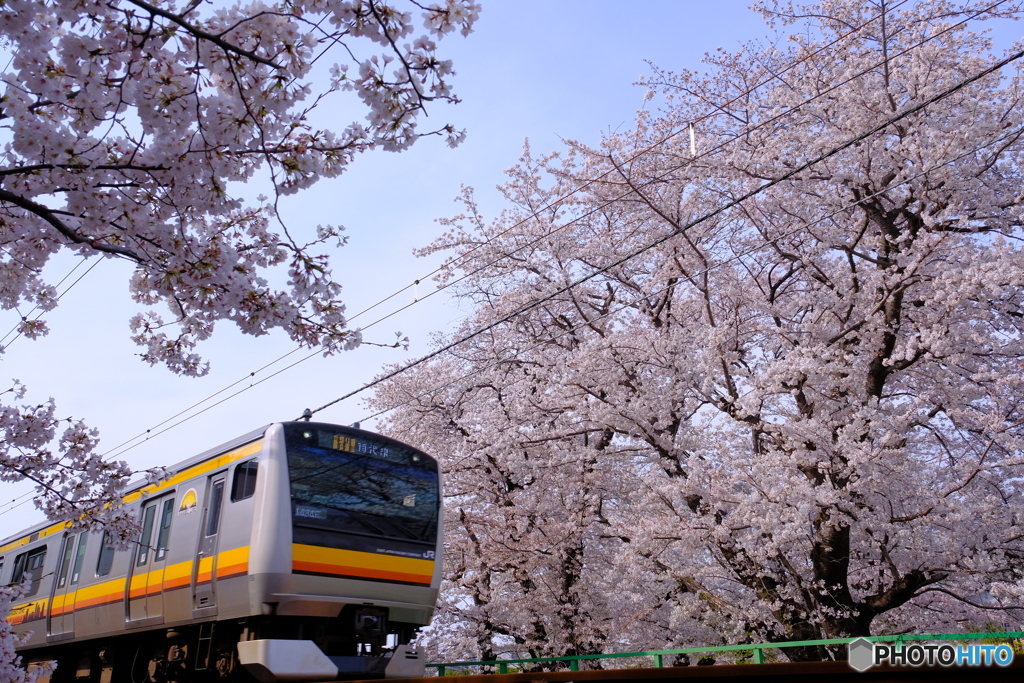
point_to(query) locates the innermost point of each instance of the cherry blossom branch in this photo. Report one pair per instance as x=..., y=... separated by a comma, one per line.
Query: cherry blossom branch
x=216, y=39
x=50, y=216
x=972, y=603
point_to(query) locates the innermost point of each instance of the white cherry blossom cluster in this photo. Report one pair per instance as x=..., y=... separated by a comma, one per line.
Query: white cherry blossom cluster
x=127, y=127
x=58, y=456
x=11, y=668
x=798, y=418
x=127, y=124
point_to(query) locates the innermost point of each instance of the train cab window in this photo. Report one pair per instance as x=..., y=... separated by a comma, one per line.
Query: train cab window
x=30, y=563
x=106, y=560
x=244, y=483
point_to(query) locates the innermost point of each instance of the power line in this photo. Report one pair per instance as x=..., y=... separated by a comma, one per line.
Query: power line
x=736, y=257
x=452, y=264
x=761, y=124
x=587, y=183
x=671, y=169
x=678, y=231
x=775, y=76
x=25, y=318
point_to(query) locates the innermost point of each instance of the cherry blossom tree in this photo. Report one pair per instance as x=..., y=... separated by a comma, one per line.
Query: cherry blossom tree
x=128, y=128
x=752, y=370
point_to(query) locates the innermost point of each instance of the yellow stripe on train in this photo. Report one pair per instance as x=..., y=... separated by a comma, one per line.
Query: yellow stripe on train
x=233, y=562
x=230, y=563
x=197, y=470
x=310, y=559
x=185, y=475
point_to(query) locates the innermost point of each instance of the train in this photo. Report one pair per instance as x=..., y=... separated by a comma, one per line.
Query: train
x=301, y=551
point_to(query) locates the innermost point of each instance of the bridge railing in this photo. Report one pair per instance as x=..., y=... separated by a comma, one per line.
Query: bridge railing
x=756, y=649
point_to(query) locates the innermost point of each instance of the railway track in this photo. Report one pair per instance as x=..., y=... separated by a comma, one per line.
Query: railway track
x=804, y=672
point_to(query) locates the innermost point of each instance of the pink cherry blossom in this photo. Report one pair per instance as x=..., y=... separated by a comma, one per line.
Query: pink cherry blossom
x=795, y=417
x=127, y=125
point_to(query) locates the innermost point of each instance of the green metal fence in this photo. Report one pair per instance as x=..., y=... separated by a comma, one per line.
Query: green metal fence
x=757, y=650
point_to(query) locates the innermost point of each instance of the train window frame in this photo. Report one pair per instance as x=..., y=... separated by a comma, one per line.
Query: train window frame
x=23, y=563
x=243, y=482
x=76, y=570
x=105, y=561
x=149, y=515
x=163, y=531
x=19, y=568
x=214, y=508
x=65, y=561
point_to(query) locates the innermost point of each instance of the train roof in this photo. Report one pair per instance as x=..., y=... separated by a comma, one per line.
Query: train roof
x=136, y=488
x=47, y=528
x=206, y=455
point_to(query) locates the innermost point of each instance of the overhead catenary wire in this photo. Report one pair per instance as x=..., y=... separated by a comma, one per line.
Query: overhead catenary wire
x=669, y=235
x=694, y=157
x=689, y=127
x=25, y=318
x=629, y=303
x=680, y=230
x=149, y=433
x=736, y=257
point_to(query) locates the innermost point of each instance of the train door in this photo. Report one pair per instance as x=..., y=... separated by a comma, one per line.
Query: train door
x=205, y=577
x=61, y=616
x=146, y=585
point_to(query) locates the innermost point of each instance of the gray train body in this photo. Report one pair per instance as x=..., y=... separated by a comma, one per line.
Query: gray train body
x=298, y=552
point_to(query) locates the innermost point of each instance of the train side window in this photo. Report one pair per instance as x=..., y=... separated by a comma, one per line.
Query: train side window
x=30, y=563
x=213, y=519
x=106, y=560
x=65, y=561
x=165, y=529
x=1, y=567
x=79, y=558
x=244, y=483
x=147, y=536
x=19, y=569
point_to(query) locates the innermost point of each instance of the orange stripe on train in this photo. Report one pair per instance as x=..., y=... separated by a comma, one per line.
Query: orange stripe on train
x=359, y=564
x=363, y=572
x=232, y=570
x=141, y=586
x=180, y=582
x=100, y=600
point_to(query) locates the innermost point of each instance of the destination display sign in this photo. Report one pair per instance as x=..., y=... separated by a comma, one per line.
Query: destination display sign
x=359, y=446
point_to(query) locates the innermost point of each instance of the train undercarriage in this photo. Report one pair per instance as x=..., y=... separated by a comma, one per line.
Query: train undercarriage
x=360, y=643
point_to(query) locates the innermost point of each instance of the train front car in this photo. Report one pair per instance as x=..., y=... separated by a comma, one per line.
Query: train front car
x=361, y=513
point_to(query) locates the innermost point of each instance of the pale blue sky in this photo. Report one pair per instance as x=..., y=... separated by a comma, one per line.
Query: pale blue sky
x=540, y=70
